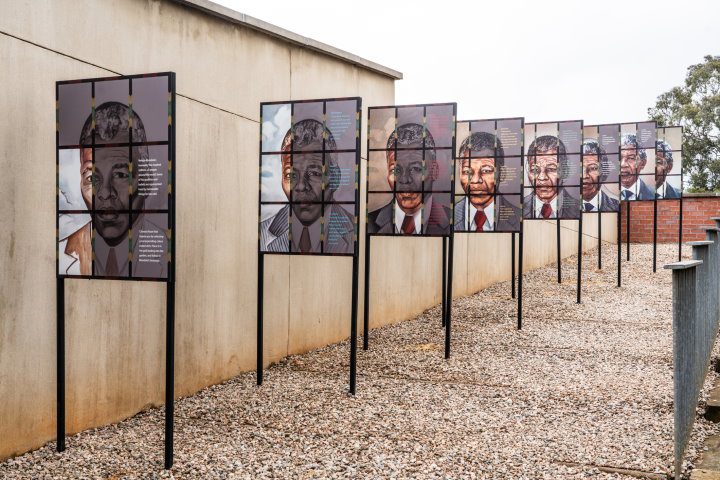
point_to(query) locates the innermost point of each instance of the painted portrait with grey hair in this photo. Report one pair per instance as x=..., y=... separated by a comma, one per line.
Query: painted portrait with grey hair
x=637, y=168
x=307, y=188
x=597, y=195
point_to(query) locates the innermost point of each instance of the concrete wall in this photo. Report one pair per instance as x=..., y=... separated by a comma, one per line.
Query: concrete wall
x=115, y=330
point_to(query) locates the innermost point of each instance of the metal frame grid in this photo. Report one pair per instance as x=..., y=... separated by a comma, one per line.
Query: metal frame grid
x=573, y=187
x=383, y=148
x=132, y=213
x=496, y=193
x=325, y=152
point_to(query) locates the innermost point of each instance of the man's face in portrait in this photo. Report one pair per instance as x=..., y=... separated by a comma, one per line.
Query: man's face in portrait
x=663, y=166
x=302, y=182
x=631, y=164
x=111, y=181
x=405, y=174
x=543, y=174
x=591, y=176
x=477, y=178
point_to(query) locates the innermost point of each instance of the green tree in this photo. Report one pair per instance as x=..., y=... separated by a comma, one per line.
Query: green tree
x=696, y=106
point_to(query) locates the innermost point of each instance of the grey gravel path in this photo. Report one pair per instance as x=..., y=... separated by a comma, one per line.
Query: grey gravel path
x=580, y=387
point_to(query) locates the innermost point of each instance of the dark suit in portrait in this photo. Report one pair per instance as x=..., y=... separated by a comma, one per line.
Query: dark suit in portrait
x=435, y=221
x=413, y=210
x=568, y=205
x=607, y=204
x=509, y=224
x=670, y=192
x=643, y=192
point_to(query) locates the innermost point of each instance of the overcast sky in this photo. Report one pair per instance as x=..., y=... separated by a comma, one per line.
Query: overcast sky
x=603, y=62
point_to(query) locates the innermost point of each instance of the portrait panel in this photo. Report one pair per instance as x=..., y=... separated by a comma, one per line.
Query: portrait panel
x=488, y=181
x=309, y=176
x=410, y=175
x=118, y=183
x=554, y=170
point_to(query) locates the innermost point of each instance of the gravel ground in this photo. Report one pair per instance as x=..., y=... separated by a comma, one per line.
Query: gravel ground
x=580, y=387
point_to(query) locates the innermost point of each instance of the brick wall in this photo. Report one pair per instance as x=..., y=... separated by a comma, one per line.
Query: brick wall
x=697, y=211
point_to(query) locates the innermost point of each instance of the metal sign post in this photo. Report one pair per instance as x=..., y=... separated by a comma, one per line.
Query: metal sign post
x=327, y=224
x=135, y=115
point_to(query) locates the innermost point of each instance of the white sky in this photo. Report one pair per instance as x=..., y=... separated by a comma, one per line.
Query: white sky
x=603, y=62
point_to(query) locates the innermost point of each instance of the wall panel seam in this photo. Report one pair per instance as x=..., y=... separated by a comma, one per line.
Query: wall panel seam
x=57, y=52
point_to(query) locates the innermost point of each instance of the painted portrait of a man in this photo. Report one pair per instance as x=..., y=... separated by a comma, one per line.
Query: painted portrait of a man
x=632, y=164
x=596, y=169
x=480, y=161
x=109, y=191
x=412, y=209
x=309, y=188
x=546, y=168
x=664, y=188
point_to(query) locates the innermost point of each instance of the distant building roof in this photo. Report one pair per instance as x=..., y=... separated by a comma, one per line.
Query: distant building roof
x=238, y=18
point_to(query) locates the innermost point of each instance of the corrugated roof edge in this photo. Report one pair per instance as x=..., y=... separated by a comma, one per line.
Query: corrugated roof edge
x=212, y=8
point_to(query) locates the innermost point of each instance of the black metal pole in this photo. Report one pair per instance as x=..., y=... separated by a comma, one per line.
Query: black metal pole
x=680, y=229
x=169, y=372
x=353, y=324
x=366, y=296
x=60, y=288
x=448, y=307
x=655, y=235
x=579, y=258
x=619, y=248
x=444, y=281
x=512, y=265
x=627, y=232
x=170, y=304
x=520, y=278
x=559, y=255
x=259, y=347
x=599, y=240
x=356, y=274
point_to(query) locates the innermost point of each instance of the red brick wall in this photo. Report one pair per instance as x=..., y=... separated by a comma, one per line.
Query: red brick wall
x=696, y=214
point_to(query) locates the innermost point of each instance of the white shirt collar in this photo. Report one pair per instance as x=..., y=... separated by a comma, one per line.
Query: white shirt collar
x=539, y=204
x=489, y=214
x=595, y=202
x=400, y=216
x=633, y=189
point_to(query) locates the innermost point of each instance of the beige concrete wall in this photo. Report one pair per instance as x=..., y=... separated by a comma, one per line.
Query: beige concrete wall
x=115, y=330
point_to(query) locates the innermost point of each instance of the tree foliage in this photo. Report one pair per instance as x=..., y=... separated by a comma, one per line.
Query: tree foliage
x=696, y=106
